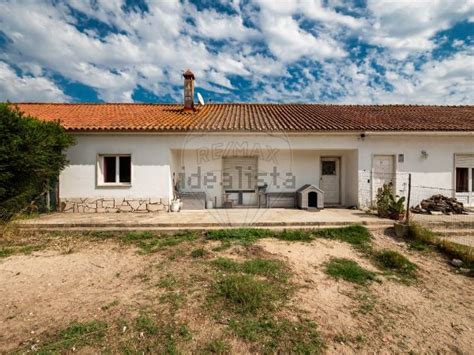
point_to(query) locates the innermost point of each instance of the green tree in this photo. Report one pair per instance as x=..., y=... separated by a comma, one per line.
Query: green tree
x=31, y=155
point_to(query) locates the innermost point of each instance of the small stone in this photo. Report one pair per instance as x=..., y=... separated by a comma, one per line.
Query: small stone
x=456, y=262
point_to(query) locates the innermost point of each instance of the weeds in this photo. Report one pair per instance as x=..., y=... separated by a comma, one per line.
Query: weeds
x=146, y=324
x=174, y=299
x=5, y=252
x=149, y=242
x=281, y=336
x=423, y=236
x=199, y=253
x=76, y=335
x=166, y=282
x=349, y=270
x=245, y=294
x=356, y=235
x=217, y=346
x=245, y=236
x=273, y=269
x=293, y=235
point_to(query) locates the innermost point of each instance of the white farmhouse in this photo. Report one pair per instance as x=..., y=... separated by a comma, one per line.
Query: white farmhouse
x=138, y=157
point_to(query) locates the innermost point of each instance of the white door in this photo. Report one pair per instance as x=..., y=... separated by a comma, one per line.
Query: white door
x=464, y=178
x=330, y=180
x=239, y=180
x=383, y=172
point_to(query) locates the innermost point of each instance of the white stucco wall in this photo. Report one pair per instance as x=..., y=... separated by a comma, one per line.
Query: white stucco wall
x=150, y=167
x=155, y=157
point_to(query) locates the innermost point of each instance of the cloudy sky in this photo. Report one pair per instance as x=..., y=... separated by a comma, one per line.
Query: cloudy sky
x=372, y=51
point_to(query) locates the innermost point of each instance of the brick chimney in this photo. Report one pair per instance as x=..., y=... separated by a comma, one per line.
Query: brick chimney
x=188, y=90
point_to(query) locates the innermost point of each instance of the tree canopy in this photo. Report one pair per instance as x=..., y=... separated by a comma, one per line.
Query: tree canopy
x=31, y=155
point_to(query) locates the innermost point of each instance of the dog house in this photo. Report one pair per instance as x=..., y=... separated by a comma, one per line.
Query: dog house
x=310, y=196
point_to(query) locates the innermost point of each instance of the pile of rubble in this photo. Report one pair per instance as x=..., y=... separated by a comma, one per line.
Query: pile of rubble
x=438, y=204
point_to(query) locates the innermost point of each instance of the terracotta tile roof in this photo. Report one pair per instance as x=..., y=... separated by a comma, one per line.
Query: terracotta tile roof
x=254, y=117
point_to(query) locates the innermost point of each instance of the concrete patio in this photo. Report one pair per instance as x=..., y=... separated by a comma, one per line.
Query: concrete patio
x=200, y=219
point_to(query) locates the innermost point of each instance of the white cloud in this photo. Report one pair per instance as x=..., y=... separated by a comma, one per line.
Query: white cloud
x=289, y=41
x=17, y=88
x=408, y=26
x=212, y=24
x=151, y=49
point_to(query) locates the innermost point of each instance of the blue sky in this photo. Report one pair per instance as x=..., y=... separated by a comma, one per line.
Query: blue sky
x=334, y=51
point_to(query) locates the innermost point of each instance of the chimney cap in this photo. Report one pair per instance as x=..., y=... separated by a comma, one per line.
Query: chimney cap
x=188, y=74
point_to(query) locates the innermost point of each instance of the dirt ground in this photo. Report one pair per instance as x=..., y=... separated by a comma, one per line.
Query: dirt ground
x=43, y=292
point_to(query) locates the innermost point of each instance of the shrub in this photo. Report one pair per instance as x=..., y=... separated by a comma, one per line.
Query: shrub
x=31, y=157
x=389, y=205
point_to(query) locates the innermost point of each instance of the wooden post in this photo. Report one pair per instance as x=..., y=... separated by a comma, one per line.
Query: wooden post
x=407, y=217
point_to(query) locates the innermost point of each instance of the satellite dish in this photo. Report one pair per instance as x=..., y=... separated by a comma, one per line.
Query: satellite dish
x=200, y=99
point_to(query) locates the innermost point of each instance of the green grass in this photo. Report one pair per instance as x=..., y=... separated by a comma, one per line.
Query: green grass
x=245, y=294
x=423, y=236
x=75, y=335
x=396, y=263
x=150, y=242
x=146, y=324
x=19, y=249
x=245, y=236
x=349, y=270
x=356, y=235
x=272, y=269
x=217, y=346
x=174, y=299
x=160, y=336
x=199, y=253
x=280, y=336
x=5, y=252
x=296, y=235
x=167, y=282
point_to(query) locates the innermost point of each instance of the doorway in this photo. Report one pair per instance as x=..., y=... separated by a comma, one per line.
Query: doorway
x=312, y=200
x=331, y=180
x=383, y=172
x=464, y=178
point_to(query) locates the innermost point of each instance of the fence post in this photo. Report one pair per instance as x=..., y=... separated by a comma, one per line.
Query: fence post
x=407, y=217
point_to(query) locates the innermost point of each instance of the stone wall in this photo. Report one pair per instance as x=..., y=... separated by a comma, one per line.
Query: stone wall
x=113, y=205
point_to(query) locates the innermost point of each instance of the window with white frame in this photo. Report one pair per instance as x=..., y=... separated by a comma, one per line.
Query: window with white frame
x=114, y=169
